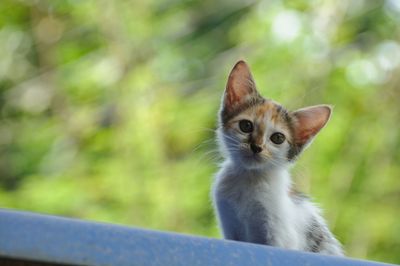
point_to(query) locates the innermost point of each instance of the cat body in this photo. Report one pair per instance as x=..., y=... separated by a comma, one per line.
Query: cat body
x=252, y=193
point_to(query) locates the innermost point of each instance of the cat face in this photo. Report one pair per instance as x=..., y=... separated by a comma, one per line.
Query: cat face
x=256, y=132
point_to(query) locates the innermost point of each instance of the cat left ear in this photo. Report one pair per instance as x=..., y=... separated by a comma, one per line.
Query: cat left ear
x=308, y=122
x=240, y=87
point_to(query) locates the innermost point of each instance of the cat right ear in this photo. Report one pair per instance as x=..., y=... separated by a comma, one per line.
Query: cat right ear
x=309, y=121
x=240, y=87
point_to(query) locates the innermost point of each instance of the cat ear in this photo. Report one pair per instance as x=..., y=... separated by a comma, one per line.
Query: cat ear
x=308, y=122
x=240, y=87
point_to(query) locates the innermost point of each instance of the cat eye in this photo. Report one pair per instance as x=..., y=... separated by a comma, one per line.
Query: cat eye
x=277, y=138
x=246, y=126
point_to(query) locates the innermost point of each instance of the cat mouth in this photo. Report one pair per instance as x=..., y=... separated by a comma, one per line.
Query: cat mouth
x=254, y=157
x=252, y=161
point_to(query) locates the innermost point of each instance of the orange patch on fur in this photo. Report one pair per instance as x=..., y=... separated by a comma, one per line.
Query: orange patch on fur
x=264, y=108
x=275, y=116
x=269, y=107
x=258, y=137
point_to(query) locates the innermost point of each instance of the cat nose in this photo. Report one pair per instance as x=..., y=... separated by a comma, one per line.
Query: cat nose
x=255, y=148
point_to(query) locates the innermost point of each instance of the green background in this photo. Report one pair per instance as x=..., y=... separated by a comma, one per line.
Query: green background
x=108, y=108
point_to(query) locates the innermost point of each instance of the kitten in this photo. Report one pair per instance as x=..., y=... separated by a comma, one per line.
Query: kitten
x=252, y=193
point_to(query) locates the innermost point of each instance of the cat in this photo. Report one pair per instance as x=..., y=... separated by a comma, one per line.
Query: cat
x=252, y=193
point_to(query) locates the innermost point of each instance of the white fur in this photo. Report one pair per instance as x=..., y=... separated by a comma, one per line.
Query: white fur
x=286, y=220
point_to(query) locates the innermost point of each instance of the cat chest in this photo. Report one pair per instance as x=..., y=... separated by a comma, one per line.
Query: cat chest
x=265, y=216
x=250, y=200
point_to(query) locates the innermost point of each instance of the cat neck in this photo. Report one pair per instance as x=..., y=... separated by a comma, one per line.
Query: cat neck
x=277, y=177
x=262, y=171
x=237, y=182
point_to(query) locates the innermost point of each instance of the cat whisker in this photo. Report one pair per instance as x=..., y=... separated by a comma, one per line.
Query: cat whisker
x=208, y=129
x=274, y=161
x=203, y=143
x=277, y=163
x=211, y=156
x=234, y=140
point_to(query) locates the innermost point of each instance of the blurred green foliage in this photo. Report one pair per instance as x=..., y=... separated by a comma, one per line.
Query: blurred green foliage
x=107, y=108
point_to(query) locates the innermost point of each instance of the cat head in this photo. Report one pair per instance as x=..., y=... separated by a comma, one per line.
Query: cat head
x=256, y=132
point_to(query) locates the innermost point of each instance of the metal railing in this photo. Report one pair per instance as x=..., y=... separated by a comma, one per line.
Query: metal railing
x=33, y=237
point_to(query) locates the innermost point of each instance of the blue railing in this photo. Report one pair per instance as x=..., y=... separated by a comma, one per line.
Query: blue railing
x=33, y=237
